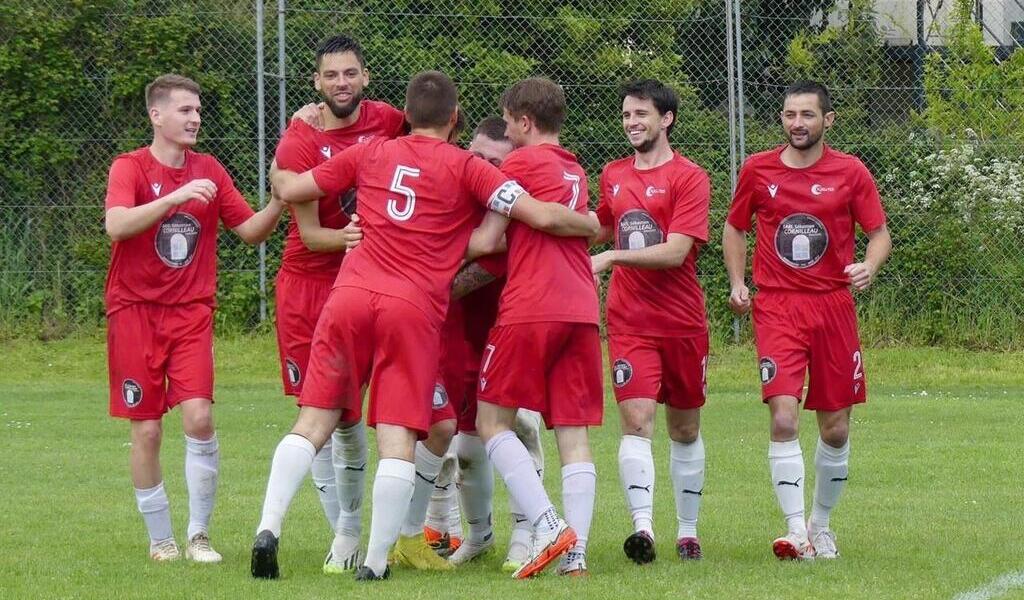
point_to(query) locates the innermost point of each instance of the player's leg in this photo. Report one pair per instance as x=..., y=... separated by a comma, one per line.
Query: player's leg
x=443, y=508
x=150, y=496
x=393, y=488
x=579, y=490
x=348, y=459
x=476, y=492
x=527, y=429
x=832, y=469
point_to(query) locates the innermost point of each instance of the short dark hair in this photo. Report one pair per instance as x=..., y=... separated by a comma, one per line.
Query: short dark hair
x=807, y=86
x=337, y=44
x=538, y=98
x=160, y=88
x=663, y=97
x=430, y=99
x=492, y=128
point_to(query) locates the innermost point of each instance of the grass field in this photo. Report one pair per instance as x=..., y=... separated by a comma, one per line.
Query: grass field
x=933, y=508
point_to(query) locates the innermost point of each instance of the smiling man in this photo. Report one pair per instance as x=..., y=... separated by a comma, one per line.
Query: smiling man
x=807, y=198
x=163, y=205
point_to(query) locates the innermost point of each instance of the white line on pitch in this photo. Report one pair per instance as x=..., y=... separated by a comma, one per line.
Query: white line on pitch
x=995, y=588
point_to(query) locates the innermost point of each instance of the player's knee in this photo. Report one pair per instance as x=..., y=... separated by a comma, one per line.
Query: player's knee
x=637, y=418
x=440, y=436
x=835, y=434
x=146, y=435
x=784, y=427
x=198, y=424
x=684, y=432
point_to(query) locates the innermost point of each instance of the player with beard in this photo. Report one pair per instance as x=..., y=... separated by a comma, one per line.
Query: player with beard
x=655, y=206
x=807, y=198
x=313, y=252
x=163, y=207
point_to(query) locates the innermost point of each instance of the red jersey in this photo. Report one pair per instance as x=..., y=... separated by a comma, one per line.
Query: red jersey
x=175, y=260
x=419, y=200
x=805, y=218
x=643, y=206
x=549, y=277
x=480, y=307
x=303, y=147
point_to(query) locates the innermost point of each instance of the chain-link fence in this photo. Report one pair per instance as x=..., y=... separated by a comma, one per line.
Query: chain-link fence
x=928, y=93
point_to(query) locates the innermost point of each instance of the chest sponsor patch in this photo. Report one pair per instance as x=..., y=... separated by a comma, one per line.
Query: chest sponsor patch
x=440, y=397
x=176, y=239
x=622, y=372
x=801, y=240
x=638, y=229
x=131, y=393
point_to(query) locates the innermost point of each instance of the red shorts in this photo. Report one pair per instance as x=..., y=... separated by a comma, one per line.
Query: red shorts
x=672, y=370
x=553, y=368
x=158, y=356
x=800, y=332
x=368, y=338
x=299, y=301
x=450, y=394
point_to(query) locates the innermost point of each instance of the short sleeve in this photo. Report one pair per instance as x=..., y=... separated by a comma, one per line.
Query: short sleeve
x=692, y=203
x=604, y=203
x=744, y=203
x=122, y=183
x=394, y=122
x=490, y=186
x=867, y=203
x=338, y=174
x=295, y=152
x=234, y=210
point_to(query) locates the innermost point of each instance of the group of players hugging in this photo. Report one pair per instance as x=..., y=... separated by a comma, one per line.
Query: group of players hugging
x=457, y=286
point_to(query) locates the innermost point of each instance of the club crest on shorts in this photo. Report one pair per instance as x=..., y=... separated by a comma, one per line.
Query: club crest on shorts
x=768, y=369
x=622, y=372
x=131, y=393
x=176, y=239
x=440, y=397
x=294, y=374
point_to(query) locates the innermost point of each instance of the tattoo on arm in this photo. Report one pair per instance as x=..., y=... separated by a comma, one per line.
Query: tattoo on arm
x=471, y=278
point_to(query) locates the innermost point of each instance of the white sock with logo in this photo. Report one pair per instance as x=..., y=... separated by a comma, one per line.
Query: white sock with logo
x=156, y=512
x=636, y=471
x=832, y=468
x=349, y=459
x=292, y=460
x=443, y=497
x=687, y=469
x=787, y=468
x=510, y=457
x=202, y=465
x=324, y=482
x=579, y=490
x=428, y=466
x=476, y=487
x=392, y=491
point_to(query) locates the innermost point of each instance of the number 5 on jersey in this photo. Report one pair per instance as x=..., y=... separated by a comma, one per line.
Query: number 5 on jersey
x=398, y=187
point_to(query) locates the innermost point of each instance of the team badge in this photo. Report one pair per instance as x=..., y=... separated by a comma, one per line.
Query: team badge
x=156, y=189
x=440, y=396
x=638, y=229
x=326, y=151
x=294, y=374
x=622, y=372
x=801, y=240
x=131, y=393
x=176, y=239
x=768, y=370
x=773, y=189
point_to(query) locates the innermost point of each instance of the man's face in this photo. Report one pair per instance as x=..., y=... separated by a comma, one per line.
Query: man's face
x=516, y=128
x=642, y=122
x=803, y=122
x=493, y=151
x=177, y=118
x=340, y=81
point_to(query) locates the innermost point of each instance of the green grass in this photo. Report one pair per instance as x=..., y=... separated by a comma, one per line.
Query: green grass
x=933, y=507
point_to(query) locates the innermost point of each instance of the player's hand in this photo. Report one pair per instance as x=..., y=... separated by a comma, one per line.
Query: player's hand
x=599, y=263
x=352, y=233
x=197, y=189
x=861, y=275
x=311, y=114
x=739, y=299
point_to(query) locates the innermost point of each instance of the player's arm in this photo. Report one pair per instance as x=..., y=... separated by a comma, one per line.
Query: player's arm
x=604, y=212
x=862, y=274
x=260, y=225
x=734, y=247
x=292, y=187
x=123, y=222
x=554, y=218
x=316, y=237
x=666, y=255
x=471, y=278
x=604, y=235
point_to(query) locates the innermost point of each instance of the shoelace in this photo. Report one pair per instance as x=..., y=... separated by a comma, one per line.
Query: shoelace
x=201, y=542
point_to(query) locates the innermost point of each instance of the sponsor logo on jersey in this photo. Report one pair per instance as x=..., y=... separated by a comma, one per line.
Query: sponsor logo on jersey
x=768, y=369
x=615, y=190
x=622, y=372
x=131, y=393
x=773, y=189
x=326, y=151
x=176, y=239
x=294, y=374
x=638, y=229
x=651, y=191
x=801, y=240
x=156, y=189
x=818, y=189
x=440, y=396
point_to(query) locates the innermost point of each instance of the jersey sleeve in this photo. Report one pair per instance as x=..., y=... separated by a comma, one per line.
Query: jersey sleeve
x=338, y=174
x=495, y=264
x=394, y=122
x=743, y=202
x=604, y=203
x=490, y=186
x=121, y=183
x=295, y=152
x=867, y=203
x=691, y=196
x=233, y=208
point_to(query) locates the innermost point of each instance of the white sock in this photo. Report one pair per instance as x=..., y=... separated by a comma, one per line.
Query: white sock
x=832, y=467
x=787, y=467
x=579, y=489
x=392, y=492
x=512, y=460
x=636, y=471
x=156, y=512
x=202, y=465
x=428, y=466
x=443, y=497
x=349, y=459
x=454, y=514
x=323, y=481
x=687, y=468
x=292, y=460
x=476, y=486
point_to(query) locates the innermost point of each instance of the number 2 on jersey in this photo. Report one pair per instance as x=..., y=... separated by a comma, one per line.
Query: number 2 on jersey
x=398, y=187
x=575, y=181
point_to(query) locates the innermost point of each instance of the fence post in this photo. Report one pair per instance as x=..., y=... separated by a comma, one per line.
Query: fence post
x=261, y=127
x=737, y=107
x=281, y=57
